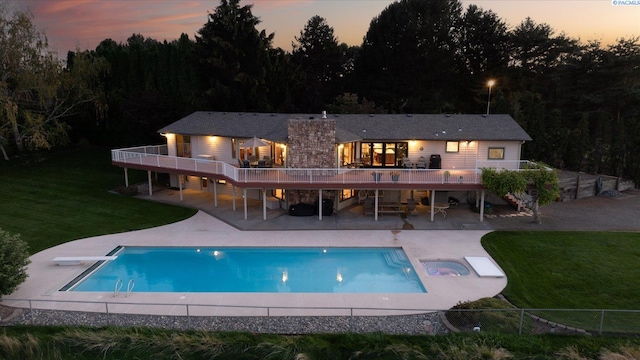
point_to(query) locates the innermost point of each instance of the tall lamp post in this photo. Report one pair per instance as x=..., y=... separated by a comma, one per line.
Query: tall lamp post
x=490, y=83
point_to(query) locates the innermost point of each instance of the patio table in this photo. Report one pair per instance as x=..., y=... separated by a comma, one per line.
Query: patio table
x=440, y=208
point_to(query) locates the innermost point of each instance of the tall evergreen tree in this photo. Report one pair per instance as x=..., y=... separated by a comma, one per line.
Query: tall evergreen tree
x=483, y=41
x=408, y=61
x=318, y=56
x=232, y=60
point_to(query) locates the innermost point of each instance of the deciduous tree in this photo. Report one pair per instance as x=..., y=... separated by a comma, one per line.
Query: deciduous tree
x=36, y=93
x=538, y=179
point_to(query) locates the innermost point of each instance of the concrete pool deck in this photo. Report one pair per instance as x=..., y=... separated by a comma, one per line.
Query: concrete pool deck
x=46, y=278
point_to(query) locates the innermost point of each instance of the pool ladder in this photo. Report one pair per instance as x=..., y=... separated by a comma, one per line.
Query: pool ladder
x=119, y=284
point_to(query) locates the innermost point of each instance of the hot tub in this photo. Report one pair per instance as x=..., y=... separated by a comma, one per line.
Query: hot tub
x=444, y=268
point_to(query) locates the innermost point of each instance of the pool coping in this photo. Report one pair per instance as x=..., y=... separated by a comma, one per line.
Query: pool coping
x=45, y=278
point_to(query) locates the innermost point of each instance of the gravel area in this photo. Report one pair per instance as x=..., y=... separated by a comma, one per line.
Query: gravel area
x=596, y=213
x=419, y=324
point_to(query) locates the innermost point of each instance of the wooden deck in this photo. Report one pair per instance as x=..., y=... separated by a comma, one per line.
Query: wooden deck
x=299, y=178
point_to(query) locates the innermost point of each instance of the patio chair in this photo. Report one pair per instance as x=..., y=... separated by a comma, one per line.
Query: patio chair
x=406, y=163
x=362, y=196
x=245, y=164
x=422, y=163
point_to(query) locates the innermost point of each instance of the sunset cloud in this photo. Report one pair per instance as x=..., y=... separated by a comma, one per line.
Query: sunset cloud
x=86, y=23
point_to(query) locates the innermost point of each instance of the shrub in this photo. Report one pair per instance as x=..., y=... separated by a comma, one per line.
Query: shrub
x=492, y=315
x=131, y=190
x=14, y=258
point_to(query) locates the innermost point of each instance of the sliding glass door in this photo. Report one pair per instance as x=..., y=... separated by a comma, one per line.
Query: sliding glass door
x=383, y=154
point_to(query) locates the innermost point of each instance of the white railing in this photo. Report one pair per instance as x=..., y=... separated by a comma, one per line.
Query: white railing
x=155, y=156
x=503, y=164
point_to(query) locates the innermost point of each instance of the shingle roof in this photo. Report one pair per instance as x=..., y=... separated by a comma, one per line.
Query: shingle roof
x=353, y=127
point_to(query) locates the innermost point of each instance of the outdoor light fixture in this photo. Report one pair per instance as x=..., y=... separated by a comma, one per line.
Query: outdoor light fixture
x=490, y=84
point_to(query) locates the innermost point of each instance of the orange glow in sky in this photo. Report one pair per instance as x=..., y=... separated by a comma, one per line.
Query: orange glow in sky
x=85, y=23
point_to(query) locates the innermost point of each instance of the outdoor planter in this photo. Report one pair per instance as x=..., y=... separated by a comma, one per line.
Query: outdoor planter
x=395, y=177
x=376, y=176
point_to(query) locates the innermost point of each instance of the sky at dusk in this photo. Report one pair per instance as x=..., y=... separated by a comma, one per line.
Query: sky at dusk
x=85, y=23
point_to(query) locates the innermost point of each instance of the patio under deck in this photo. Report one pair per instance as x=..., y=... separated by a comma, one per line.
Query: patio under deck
x=151, y=159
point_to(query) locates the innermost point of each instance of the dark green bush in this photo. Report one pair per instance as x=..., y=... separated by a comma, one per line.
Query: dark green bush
x=130, y=190
x=492, y=315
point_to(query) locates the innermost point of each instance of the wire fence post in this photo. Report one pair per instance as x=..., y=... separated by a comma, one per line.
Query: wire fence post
x=188, y=318
x=106, y=306
x=601, y=322
x=268, y=321
x=31, y=311
x=521, y=321
x=350, y=319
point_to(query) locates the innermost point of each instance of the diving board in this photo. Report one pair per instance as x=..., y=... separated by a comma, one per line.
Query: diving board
x=483, y=266
x=77, y=260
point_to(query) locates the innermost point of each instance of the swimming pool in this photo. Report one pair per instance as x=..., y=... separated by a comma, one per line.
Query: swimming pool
x=296, y=270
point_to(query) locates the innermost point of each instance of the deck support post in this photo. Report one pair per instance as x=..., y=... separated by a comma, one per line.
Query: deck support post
x=320, y=204
x=150, y=182
x=481, y=205
x=375, y=207
x=233, y=197
x=264, y=204
x=180, y=177
x=244, y=199
x=126, y=177
x=215, y=192
x=433, y=204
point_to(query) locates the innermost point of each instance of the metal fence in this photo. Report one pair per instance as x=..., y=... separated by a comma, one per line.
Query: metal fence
x=540, y=321
x=290, y=320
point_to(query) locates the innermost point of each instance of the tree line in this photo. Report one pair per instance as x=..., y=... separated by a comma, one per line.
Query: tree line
x=579, y=102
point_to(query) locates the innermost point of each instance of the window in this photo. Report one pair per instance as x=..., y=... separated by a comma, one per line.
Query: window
x=452, y=147
x=383, y=154
x=347, y=194
x=496, y=153
x=183, y=145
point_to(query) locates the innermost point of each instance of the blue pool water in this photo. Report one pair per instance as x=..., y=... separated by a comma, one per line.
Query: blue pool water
x=297, y=270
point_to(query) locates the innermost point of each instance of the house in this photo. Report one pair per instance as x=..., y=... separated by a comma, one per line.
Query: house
x=303, y=158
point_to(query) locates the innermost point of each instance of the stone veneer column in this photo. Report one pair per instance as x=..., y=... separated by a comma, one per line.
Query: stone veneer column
x=311, y=144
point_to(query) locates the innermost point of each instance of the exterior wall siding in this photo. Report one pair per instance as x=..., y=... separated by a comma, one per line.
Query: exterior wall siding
x=511, y=149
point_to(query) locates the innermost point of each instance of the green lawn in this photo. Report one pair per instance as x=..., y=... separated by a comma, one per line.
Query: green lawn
x=571, y=270
x=52, y=198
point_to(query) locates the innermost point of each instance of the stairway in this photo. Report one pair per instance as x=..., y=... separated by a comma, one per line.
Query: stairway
x=520, y=201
